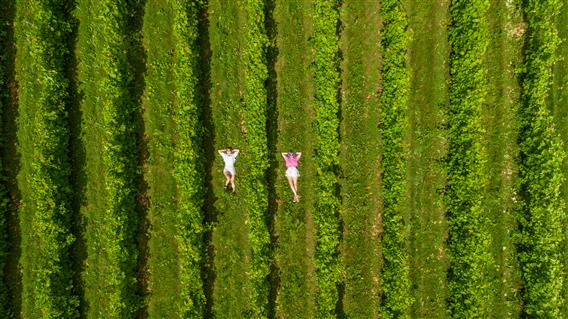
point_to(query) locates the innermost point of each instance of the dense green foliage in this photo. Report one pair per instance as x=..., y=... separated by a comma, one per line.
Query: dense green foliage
x=468, y=239
x=541, y=213
x=326, y=44
x=559, y=102
x=4, y=303
x=3, y=223
x=255, y=103
x=158, y=103
x=189, y=159
x=42, y=36
x=396, y=298
x=114, y=248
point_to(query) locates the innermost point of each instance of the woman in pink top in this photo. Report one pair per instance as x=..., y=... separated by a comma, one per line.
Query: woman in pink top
x=292, y=173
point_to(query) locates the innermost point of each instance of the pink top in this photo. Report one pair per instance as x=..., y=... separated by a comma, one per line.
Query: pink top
x=292, y=161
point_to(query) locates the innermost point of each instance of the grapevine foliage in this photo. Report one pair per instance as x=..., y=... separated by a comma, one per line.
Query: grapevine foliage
x=468, y=241
x=396, y=299
x=541, y=212
x=188, y=159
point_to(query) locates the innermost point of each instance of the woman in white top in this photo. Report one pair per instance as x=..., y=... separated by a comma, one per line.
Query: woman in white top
x=291, y=159
x=229, y=155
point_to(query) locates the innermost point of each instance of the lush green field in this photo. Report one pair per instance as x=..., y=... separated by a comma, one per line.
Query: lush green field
x=432, y=181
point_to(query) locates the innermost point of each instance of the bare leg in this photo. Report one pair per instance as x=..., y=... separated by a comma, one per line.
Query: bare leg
x=291, y=182
x=227, y=178
x=295, y=183
x=233, y=183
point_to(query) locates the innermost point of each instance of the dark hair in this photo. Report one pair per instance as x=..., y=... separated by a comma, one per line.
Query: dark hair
x=230, y=148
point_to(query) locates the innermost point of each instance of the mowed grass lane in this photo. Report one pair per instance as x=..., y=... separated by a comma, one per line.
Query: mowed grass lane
x=294, y=222
x=232, y=295
x=325, y=43
x=503, y=55
x=559, y=100
x=108, y=40
x=360, y=158
x=427, y=140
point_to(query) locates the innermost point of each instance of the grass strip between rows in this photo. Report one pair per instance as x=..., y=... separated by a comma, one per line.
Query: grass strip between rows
x=500, y=142
x=293, y=226
x=428, y=56
x=42, y=32
x=256, y=195
x=541, y=213
x=111, y=263
x=232, y=295
x=396, y=298
x=359, y=158
x=468, y=239
x=189, y=159
x=326, y=43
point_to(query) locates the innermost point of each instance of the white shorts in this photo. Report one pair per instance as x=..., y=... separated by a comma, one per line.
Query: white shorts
x=230, y=170
x=292, y=172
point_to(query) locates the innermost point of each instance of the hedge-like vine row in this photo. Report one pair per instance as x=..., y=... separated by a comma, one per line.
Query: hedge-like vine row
x=188, y=162
x=120, y=160
x=326, y=43
x=256, y=196
x=541, y=212
x=44, y=136
x=4, y=303
x=468, y=241
x=396, y=298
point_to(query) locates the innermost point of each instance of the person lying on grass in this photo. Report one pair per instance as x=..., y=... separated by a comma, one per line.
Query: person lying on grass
x=229, y=155
x=291, y=159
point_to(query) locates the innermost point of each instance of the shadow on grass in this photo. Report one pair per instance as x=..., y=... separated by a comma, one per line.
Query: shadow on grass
x=77, y=157
x=208, y=157
x=10, y=160
x=137, y=58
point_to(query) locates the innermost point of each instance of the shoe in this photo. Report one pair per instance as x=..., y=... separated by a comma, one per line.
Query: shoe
x=225, y=188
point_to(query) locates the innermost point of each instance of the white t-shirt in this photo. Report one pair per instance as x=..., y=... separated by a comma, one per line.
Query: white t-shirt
x=230, y=161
